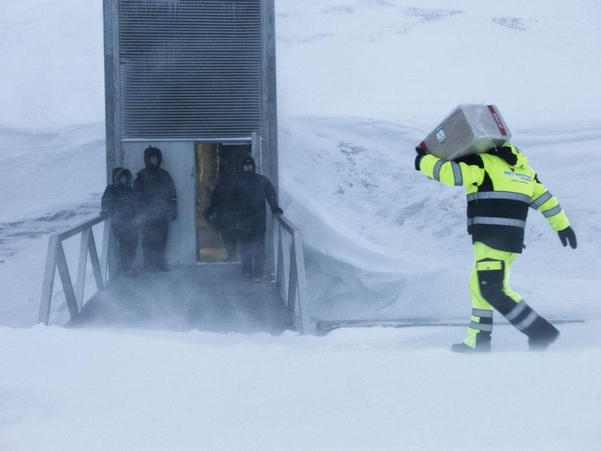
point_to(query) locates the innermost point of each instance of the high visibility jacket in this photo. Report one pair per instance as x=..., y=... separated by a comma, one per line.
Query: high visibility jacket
x=500, y=187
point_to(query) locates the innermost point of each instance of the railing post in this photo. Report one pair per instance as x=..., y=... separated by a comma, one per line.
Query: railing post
x=48, y=285
x=280, y=268
x=290, y=275
x=80, y=282
x=95, y=261
x=292, y=283
x=301, y=282
x=63, y=272
x=56, y=259
x=106, y=236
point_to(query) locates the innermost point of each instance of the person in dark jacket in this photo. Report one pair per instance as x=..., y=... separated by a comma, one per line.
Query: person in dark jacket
x=119, y=203
x=221, y=214
x=251, y=192
x=157, y=200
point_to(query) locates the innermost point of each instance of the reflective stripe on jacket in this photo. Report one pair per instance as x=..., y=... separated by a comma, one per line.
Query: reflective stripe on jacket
x=500, y=187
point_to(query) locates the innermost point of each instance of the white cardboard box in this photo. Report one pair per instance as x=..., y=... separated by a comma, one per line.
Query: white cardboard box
x=469, y=129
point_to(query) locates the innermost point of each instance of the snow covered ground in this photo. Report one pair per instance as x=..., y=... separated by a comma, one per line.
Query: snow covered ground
x=359, y=85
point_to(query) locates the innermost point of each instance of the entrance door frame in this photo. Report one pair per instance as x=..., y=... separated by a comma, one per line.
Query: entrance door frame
x=178, y=159
x=254, y=141
x=215, y=162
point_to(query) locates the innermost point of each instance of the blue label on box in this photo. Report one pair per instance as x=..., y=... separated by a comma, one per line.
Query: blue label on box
x=440, y=136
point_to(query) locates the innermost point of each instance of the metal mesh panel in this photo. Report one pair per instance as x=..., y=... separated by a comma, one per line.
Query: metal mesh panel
x=190, y=68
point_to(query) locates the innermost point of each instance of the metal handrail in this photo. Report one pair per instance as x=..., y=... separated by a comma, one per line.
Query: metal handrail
x=56, y=259
x=290, y=272
x=288, y=252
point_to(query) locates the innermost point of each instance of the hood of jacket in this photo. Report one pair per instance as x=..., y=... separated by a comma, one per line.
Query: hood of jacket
x=128, y=176
x=510, y=154
x=246, y=159
x=118, y=172
x=152, y=151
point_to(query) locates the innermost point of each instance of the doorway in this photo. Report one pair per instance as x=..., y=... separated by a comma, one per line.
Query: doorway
x=215, y=163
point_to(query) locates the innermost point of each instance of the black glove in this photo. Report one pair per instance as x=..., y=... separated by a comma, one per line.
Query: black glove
x=277, y=211
x=420, y=154
x=566, y=236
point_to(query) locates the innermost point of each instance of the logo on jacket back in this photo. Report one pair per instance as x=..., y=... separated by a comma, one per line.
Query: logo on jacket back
x=519, y=177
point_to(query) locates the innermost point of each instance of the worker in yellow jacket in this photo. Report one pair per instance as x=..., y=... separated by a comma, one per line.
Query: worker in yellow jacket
x=500, y=186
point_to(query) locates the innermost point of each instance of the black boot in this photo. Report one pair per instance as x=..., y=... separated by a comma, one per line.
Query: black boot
x=482, y=345
x=541, y=334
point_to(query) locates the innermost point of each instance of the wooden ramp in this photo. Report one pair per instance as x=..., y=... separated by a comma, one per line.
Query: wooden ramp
x=206, y=297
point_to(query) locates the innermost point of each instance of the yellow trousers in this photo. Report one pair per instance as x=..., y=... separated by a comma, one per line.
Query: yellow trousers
x=489, y=289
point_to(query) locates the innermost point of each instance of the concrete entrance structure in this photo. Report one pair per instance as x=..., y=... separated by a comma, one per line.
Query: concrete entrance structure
x=180, y=74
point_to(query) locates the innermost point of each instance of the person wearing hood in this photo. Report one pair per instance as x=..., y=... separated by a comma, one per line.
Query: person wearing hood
x=250, y=193
x=157, y=200
x=501, y=187
x=119, y=203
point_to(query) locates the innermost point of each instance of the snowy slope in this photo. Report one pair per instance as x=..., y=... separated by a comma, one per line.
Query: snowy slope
x=378, y=88
x=414, y=61
x=389, y=219
x=359, y=84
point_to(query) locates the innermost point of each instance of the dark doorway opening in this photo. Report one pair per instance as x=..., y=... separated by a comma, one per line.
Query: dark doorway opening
x=215, y=163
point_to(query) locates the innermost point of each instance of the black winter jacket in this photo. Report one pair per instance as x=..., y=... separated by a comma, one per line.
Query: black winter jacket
x=250, y=193
x=155, y=189
x=119, y=202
